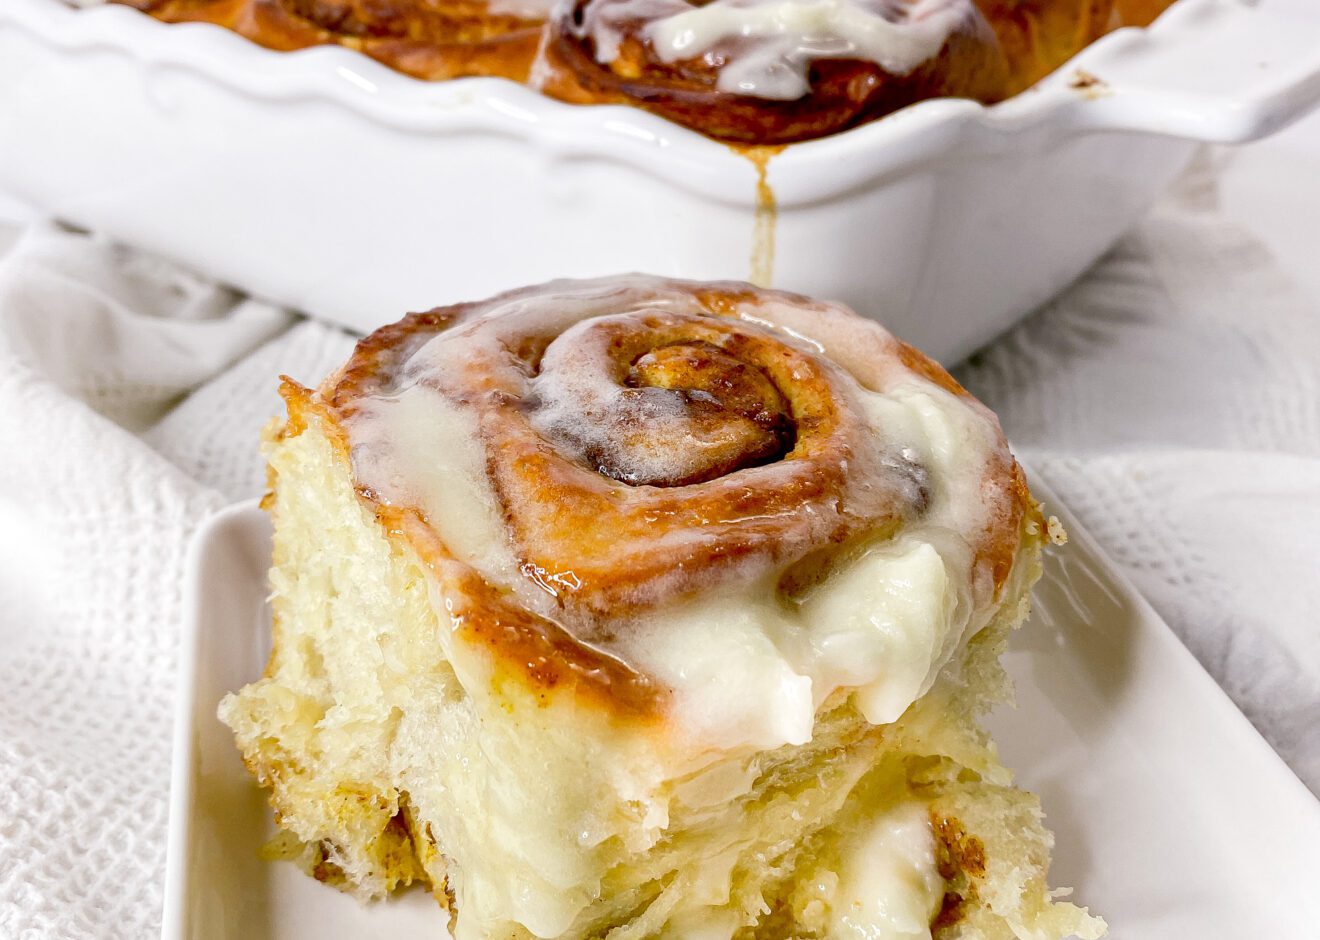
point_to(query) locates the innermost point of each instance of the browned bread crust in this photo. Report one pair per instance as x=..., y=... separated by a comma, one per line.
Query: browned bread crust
x=1014, y=44
x=1011, y=45
x=571, y=511
x=429, y=39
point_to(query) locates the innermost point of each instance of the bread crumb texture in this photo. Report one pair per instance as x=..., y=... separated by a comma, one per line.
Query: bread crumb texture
x=393, y=753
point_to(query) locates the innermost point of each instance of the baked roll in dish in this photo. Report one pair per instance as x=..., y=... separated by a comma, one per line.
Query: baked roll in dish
x=648, y=608
x=756, y=72
x=430, y=39
x=780, y=71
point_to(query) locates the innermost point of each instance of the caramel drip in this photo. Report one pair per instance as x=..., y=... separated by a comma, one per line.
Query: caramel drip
x=765, y=222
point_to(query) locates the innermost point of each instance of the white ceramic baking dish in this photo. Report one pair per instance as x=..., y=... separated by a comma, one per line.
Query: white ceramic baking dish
x=323, y=180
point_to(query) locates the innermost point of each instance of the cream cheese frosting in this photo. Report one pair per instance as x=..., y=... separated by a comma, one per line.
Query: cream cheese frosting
x=748, y=662
x=766, y=47
x=889, y=886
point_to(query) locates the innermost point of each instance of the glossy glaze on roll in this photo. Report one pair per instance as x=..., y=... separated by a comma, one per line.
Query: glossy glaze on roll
x=609, y=469
x=646, y=608
x=756, y=72
x=779, y=71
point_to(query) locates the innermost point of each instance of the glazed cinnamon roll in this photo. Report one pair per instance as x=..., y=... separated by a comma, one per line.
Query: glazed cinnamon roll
x=779, y=71
x=639, y=607
x=430, y=39
x=757, y=72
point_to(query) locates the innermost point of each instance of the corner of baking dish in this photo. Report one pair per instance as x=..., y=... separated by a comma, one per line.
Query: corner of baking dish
x=1211, y=70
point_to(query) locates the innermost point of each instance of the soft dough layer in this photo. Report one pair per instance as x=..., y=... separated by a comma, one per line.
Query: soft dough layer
x=421, y=720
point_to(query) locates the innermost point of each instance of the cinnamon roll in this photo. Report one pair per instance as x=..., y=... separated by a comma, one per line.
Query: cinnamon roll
x=650, y=608
x=780, y=71
x=757, y=72
x=430, y=39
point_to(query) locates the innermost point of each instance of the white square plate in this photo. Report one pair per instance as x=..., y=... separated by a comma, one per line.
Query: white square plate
x=1174, y=818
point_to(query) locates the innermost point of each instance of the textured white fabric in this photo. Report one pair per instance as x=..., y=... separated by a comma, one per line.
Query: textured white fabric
x=1172, y=398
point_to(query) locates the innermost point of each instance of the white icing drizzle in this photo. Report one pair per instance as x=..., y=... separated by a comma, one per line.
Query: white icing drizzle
x=764, y=48
x=748, y=666
x=397, y=443
x=889, y=885
x=755, y=670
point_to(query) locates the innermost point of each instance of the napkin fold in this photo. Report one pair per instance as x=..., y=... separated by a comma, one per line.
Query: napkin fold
x=1172, y=397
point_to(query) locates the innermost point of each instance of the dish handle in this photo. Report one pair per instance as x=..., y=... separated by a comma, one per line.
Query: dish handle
x=1219, y=71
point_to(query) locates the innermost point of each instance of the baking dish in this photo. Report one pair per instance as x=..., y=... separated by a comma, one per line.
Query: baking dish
x=322, y=180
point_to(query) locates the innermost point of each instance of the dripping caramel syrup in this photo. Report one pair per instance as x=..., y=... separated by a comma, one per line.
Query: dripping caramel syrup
x=761, y=268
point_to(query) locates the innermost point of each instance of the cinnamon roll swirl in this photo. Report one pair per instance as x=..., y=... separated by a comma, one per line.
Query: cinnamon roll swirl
x=650, y=607
x=780, y=71
x=756, y=72
x=430, y=39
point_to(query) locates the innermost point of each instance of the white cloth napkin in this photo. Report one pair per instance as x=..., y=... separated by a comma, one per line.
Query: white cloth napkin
x=1172, y=397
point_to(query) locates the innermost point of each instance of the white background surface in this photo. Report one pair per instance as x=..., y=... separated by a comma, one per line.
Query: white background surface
x=1273, y=190
x=1172, y=397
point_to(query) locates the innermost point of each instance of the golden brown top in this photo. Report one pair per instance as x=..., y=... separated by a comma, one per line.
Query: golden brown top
x=584, y=462
x=430, y=39
x=614, y=51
